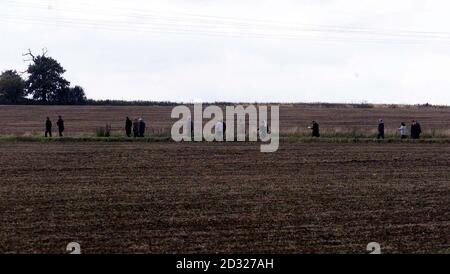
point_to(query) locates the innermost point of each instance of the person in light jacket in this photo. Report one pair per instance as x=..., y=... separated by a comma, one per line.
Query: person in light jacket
x=219, y=130
x=402, y=129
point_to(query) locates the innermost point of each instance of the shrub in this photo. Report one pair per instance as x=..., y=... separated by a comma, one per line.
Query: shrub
x=104, y=131
x=363, y=104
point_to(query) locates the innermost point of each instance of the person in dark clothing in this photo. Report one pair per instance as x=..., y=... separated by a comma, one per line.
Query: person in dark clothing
x=224, y=130
x=136, y=128
x=60, y=124
x=315, y=129
x=416, y=130
x=48, y=127
x=141, y=128
x=419, y=129
x=128, y=126
x=380, y=129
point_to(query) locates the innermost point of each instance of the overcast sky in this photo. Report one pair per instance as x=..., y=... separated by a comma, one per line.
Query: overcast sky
x=379, y=51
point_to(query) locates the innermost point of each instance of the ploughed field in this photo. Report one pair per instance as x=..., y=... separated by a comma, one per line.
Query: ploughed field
x=294, y=118
x=225, y=198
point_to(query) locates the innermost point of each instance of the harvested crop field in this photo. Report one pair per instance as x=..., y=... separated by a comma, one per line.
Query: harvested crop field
x=225, y=198
x=294, y=118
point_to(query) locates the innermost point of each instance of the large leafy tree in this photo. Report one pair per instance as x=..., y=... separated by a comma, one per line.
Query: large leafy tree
x=70, y=96
x=12, y=87
x=77, y=95
x=46, y=83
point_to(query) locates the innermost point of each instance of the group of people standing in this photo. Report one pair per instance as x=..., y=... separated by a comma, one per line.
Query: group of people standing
x=137, y=127
x=220, y=128
x=416, y=130
x=49, y=125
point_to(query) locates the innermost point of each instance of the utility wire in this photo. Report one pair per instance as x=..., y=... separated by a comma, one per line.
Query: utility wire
x=199, y=25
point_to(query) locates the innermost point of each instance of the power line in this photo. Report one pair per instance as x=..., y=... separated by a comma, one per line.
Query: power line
x=139, y=13
x=215, y=27
x=166, y=30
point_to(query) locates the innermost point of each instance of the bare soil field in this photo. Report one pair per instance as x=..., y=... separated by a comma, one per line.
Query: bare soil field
x=223, y=198
x=29, y=120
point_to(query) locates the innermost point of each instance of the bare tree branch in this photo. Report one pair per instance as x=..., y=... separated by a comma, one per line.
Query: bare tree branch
x=29, y=54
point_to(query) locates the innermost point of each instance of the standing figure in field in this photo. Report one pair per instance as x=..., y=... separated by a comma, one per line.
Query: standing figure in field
x=141, y=127
x=218, y=130
x=60, y=125
x=224, y=127
x=315, y=129
x=128, y=126
x=263, y=129
x=380, y=129
x=416, y=130
x=135, y=128
x=190, y=128
x=402, y=130
x=48, y=127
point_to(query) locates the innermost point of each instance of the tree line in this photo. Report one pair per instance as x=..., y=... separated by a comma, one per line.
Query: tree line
x=44, y=85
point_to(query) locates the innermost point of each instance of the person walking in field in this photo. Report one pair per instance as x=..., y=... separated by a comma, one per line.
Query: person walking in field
x=141, y=127
x=60, y=124
x=263, y=129
x=135, y=128
x=402, y=130
x=218, y=129
x=190, y=128
x=224, y=127
x=48, y=128
x=380, y=129
x=189, y=125
x=315, y=129
x=416, y=130
x=128, y=126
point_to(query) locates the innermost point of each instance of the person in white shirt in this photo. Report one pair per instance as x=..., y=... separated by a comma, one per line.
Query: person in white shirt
x=263, y=129
x=190, y=128
x=219, y=130
x=402, y=130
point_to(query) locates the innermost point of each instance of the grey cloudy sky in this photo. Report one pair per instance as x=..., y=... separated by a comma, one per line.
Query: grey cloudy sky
x=378, y=51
